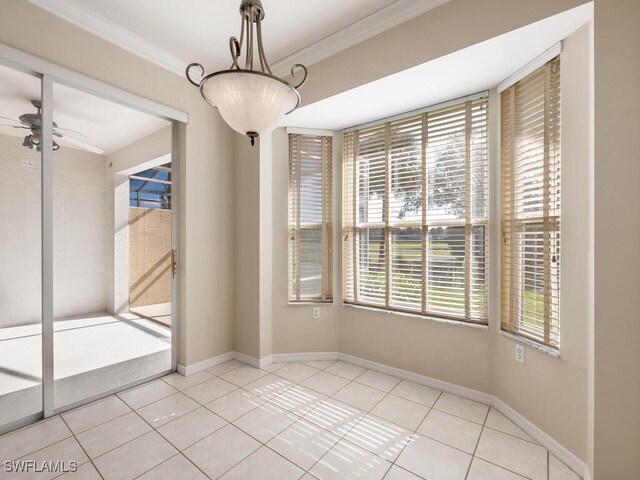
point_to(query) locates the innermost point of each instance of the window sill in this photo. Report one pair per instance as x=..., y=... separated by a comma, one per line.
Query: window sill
x=552, y=352
x=460, y=323
x=317, y=303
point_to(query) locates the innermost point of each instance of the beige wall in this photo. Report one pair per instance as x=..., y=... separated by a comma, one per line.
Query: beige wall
x=149, y=256
x=206, y=168
x=478, y=358
x=534, y=389
x=247, y=250
x=294, y=329
x=80, y=233
x=265, y=244
x=617, y=234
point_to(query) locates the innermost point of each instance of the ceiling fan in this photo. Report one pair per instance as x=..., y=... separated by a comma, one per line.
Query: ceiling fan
x=33, y=122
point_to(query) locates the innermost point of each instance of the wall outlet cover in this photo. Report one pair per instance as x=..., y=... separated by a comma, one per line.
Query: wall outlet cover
x=520, y=353
x=315, y=312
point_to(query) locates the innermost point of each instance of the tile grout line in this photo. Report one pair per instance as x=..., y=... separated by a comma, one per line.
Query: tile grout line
x=488, y=461
x=141, y=386
x=270, y=400
x=511, y=435
x=99, y=424
x=339, y=438
x=343, y=437
x=161, y=463
x=414, y=434
x=177, y=373
x=153, y=429
x=180, y=452
x=430, y=407
x=368, y=412
x=296, y=415
x=51, y=444
x=485, y=426
x=60, y=415
x=433, y=407
x=227, y=423
x=72, y=433
x=127, y=442
x=41, y=448
x=473, y=455
x=82, y=447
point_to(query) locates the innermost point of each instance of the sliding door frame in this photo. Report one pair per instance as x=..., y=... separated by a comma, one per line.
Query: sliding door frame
x=46, y=217
x=175, y=243
x=50, y=73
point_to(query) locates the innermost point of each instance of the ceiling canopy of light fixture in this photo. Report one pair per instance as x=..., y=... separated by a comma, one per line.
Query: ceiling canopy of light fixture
x=251, y=101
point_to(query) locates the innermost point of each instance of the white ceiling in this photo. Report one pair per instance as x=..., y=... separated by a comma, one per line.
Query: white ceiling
x=174, y=33
x=471, y=70
x=103, y=124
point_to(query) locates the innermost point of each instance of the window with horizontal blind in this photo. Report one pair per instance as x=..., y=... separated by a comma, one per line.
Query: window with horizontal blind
x=310, y=218
x=530, y=158
x=415, y=213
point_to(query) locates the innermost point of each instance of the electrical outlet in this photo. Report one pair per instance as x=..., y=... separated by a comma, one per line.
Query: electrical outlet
x=315, y=312
x=520, y=353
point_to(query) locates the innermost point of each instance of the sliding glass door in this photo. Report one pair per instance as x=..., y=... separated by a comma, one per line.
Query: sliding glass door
x=107, y=255
x=20, y=247
x=87, y=246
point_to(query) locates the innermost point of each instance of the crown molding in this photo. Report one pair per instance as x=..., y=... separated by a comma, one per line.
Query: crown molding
x=74, y=12
x=384, y=19
x=388, y=17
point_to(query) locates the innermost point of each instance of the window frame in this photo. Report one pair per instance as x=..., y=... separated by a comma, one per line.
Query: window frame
x=352, y=226
x=297, y=226
x=515, y=309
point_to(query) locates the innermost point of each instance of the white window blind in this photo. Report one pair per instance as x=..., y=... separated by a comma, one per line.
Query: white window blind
x=415, y=213
x=310, y=218
x=530, y=157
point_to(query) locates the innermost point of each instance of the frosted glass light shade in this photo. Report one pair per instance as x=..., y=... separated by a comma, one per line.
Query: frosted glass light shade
x=249, y=101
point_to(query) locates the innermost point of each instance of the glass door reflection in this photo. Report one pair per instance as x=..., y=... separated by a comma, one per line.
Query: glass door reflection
x=112, y=285
x=20, y=248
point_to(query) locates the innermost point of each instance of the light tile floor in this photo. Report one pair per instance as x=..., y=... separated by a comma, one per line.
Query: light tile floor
x=312, y=420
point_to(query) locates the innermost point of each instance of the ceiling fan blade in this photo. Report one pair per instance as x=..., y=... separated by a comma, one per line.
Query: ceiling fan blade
x=14, y=126
x=12, y=120
x=65, y=131
x=80, y=143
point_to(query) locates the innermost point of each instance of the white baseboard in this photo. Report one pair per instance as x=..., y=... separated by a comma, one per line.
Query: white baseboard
x=255, y=362
x=203, y=365
x=248, y=359
x=213, y=361
x=302, y=357
x=543, y=438
x=465, y=392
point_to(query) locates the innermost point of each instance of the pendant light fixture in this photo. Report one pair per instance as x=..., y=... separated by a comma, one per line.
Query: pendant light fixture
x=251, y=101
